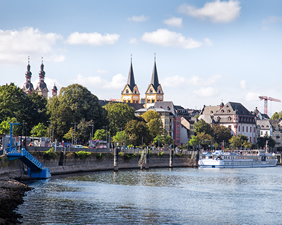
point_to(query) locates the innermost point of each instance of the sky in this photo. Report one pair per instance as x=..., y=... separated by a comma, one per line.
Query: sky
x=206, y=51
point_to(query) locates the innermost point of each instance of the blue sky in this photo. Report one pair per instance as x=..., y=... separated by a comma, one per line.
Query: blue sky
x=206, y=51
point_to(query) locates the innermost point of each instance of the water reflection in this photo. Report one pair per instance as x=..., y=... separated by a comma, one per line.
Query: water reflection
x=158, y=196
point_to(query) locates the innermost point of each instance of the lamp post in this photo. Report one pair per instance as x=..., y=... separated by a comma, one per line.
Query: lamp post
x=106, y=134
x=91, y=135
x=74, y=133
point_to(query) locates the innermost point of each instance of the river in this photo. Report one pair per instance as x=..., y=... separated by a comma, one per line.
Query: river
x=158, y=196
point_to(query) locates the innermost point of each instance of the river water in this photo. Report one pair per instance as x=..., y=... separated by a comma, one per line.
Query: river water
x=158, y=196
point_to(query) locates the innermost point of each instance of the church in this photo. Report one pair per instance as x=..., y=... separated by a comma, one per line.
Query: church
x=154, y=92
x=41, y=87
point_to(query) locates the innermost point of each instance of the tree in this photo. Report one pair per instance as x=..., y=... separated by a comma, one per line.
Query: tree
x=138, y=131
x=100, y=134
x=159, y=141
x=74, y=104
x=5, y=126
x=154, y=122
x=275, y=116
x=205, y=139
x=84, y=130
x=194, y=141
x=120, y=138
x=261, y=141
x=221, y=133
x=118, y=115
x=235, y=142
x=30, y=109
x=40, y=130
x=70, y=135
x=168, y=140
x=202, y=127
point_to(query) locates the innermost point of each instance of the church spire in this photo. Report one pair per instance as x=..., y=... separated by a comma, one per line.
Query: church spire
x=130, y=80
x=28, y=86
x=42, y=72
x=155, y=79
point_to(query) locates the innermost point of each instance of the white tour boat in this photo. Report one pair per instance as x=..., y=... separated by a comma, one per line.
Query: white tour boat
x=237, y=159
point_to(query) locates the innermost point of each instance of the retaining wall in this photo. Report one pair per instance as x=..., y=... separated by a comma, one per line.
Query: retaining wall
x=69, y=163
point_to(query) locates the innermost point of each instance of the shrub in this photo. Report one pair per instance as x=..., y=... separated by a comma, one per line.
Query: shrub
x=126, y=156
x=50, y=154
x=160, y=153
x=178, y=154
x=82, y=154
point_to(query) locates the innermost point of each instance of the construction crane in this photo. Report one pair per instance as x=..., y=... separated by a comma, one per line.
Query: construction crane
x=265, y=98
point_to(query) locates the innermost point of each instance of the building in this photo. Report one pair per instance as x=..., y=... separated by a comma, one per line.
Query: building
x=265, y=128
x=130, y=93
x=41, y=87
x=154, y=92
x=234, y=116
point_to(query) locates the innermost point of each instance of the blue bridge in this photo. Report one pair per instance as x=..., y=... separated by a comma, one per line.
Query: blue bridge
x=35, y=168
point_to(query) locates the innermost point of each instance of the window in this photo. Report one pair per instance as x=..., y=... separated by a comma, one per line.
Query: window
x=246, y=129
x=126, y=91
x=261, y=133
x=251, y=129
x=254, y=139
x=222, y=111
x=228, y=110
x=243, y=128
x=153, y=100
x=148, y=100
x=229, y=127
x=229, y=118
x=239, y=128
x=250, y=139
x=178, y=128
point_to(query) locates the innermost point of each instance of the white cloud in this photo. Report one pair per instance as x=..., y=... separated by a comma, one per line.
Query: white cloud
x=174, y=81
x=271, y=20
x=102, y=71
x=177, y=81
x=117, y=81
x=197, y=81
x=251, y=96
x=166, y=38
x=174, y=22
x=243, y=84
x=92, y=39
x=133, y=41
x=216, y=12
x=208, y=42
x=17, y=45
x=206, y=92
x=141, y=18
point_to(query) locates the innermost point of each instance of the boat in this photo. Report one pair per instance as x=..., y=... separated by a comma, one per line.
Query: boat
x=237, y=159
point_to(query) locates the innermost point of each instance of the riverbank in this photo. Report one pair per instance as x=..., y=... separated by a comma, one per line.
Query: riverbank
x=11, y=195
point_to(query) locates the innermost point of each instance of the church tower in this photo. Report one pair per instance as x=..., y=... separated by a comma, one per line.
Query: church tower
x=41, y=88
x=130, y=93
x=154, y=91
x=28, y=86
x=54, y=90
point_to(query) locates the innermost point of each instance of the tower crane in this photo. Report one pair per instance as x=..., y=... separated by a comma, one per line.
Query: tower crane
x=265, y=98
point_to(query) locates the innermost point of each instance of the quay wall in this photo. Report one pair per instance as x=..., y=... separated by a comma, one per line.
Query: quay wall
x=67, y=162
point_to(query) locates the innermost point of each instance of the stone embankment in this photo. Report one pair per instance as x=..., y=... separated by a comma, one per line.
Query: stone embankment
x=11, y=172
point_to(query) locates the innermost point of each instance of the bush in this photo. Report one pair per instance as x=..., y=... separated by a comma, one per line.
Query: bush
x=178, y=154
x=50, y=154
x=160, y=153
x=82, y=154
x=127, y=156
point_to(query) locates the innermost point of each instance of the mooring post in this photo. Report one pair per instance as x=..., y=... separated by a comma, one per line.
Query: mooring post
x=116, y=151
x=170, y=158
x=146, y=159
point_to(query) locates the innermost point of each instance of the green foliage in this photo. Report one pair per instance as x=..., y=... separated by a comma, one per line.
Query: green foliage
x=205, y=139
x=275, y=116
x=221, y=133
x=202, y=127
x=261, y=141
x=29, y=108
x=235, y=142
x=82, y=154
x=75, y=104
x=216, y=145
x=179, y=154
x=159, y=141
x=120, y=137
x=70, y=135
x=136, y=131
x=127, y=156
x=98, y=155
x=160, y=153
x=118, y=115
x=168, y=140
x=154, y=122
x=100, y=134
x=5, y=126
x=40, y=130
x=194, y=141
x=130, y=146
x=50, y=154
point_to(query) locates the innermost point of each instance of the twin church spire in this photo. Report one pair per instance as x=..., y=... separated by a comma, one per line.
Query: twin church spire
x=154, y=92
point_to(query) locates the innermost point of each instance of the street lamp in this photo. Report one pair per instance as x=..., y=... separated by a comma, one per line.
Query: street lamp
x=91, y=135
x=74, y=132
